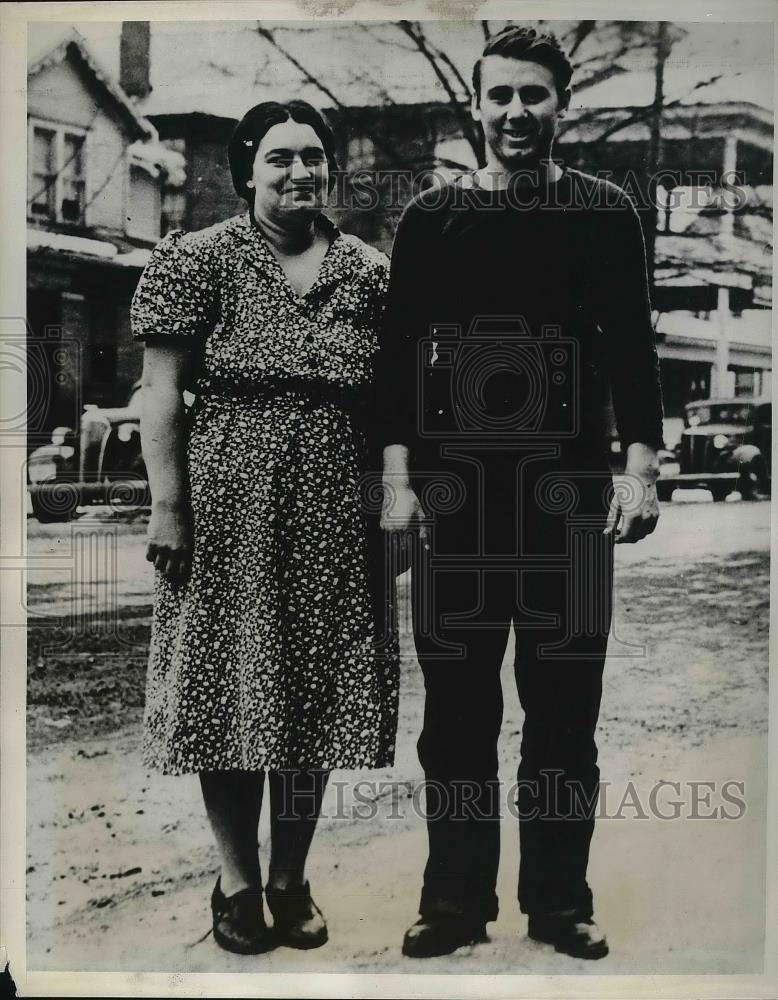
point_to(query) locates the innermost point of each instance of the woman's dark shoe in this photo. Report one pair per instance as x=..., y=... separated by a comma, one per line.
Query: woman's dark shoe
x=432, y=936
x=570, y=934
x=297, y=920
x=239, y=921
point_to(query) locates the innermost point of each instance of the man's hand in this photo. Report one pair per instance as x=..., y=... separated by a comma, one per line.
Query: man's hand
x=400, y=515
x=401, y=509
x=635, y=499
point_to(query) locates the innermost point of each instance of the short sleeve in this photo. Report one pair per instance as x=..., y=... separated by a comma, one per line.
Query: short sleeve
x=176, y=294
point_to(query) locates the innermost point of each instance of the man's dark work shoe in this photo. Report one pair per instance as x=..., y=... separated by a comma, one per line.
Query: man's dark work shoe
x=433, y=936
x=569, y=934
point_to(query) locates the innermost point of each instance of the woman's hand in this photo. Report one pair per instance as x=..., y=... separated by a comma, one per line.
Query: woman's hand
x=163, y=429
x=170, y=540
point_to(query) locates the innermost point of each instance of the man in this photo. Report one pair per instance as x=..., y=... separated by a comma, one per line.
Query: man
x=516, y=294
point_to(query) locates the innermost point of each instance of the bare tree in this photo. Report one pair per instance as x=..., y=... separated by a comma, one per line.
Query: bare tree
x=596, y=49
x=452, y=81
x=386, y=147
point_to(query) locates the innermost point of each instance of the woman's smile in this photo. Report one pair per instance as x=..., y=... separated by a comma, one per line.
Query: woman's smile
x=290, y=171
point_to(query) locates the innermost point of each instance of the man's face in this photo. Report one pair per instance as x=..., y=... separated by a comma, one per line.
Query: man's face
x=519, y=110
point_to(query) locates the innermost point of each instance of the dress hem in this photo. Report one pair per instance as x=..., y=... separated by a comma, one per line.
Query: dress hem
x=169, y=770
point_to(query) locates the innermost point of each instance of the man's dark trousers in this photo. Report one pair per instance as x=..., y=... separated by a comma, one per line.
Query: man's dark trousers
x=520, y=542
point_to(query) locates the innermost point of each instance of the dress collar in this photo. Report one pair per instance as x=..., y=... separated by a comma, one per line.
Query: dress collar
x=333, y=268
x=245, y=221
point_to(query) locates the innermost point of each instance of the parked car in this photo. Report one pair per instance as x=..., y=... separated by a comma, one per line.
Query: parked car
x=617, y=458
x=725, y=445
x=99, y=462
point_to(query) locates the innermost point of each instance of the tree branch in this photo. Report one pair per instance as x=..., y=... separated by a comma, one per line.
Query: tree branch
x=599, y=76
x=581, y=32
x=640, y=115
x=446, y=60
x=269, y=37
x=378, y=143
x=414, y=32
x=391, y=42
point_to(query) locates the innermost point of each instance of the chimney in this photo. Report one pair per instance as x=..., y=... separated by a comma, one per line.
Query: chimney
x=135, y=58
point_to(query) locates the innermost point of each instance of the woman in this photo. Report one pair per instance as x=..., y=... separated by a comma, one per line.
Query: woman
x=268, y=649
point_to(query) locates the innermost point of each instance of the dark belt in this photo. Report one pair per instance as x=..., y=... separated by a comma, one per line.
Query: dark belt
x=314, y=393
x=355, y=402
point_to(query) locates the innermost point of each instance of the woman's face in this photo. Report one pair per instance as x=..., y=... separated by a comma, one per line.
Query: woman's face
x=290, y=174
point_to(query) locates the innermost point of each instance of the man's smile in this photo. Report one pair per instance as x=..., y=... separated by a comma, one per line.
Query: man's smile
x=518, y=135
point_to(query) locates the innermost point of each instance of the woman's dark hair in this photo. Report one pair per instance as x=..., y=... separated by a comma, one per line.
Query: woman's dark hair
x=519, y=42
x=248, y=133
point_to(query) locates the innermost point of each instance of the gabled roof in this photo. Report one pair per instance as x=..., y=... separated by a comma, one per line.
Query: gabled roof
x=73, y=47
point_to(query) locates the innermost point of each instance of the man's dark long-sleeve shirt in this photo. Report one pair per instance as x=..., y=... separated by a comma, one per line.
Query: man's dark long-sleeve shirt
x=511, y=310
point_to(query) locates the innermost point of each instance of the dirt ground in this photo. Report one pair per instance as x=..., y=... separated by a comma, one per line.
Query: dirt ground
x=121, y=864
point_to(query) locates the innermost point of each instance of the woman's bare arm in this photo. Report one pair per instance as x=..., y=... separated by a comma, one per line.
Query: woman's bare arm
x=163, y=436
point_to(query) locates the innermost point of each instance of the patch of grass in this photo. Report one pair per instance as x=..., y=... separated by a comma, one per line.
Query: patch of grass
x=85, y=677
x=705, y=627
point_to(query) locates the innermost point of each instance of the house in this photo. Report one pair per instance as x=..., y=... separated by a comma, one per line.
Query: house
x=712, y=275
x=96, y=171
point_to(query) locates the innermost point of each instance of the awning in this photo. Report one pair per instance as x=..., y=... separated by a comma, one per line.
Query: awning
x=85, y=248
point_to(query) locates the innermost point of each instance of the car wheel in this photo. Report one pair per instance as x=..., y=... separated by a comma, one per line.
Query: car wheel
x=664, y=491
x=753, y=480
x=720, y=492
x=56, y=505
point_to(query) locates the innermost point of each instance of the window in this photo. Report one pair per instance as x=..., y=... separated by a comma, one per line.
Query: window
x=43, y=172
x=173, y=209
x=360, y=153
x=174, y=196
x=57, y=174
x=748, y=381
x=72, y=203
x=680, y=206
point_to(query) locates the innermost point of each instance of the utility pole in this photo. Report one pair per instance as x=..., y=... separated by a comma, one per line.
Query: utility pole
x=662, y=50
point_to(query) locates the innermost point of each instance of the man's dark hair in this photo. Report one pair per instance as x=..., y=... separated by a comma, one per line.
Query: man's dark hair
x=242, y=147
x=519, y=42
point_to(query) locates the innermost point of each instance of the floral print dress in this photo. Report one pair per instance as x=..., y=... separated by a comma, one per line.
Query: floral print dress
x=276, y=653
